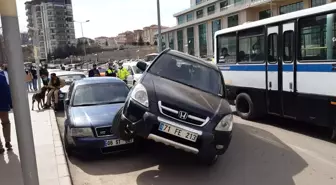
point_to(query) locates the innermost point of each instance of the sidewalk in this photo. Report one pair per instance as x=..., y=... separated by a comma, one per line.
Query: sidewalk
x=51, y=161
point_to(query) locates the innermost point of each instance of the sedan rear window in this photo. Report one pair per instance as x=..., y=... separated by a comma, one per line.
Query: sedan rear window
x=98, y=94
x=71, y=78
x=189, y=73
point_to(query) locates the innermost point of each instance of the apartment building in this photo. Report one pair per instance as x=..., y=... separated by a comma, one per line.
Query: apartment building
x=149, y=33
x=106, y=42
x=138, y=34
x=52, y=20
x=194, y=32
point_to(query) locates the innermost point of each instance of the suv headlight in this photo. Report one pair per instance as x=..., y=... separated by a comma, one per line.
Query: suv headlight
x=139, y=94
x=81, y=132
x=225, y=124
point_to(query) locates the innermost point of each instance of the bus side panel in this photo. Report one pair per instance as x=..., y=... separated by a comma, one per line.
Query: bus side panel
x=315, y=91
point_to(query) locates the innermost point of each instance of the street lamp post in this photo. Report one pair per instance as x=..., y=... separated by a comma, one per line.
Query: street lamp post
x=159, y=27
x=81, y=24
x=22, y=117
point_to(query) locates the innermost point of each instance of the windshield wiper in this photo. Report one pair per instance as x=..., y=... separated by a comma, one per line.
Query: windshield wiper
x=84, y=104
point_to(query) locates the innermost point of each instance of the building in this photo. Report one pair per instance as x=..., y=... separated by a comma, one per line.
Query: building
x=53, y=21
x=89, y=42
x=137, y=35
x=196, y=25
x=125, y=38
x=106, y=42
x=101, y=41
x=149, y=33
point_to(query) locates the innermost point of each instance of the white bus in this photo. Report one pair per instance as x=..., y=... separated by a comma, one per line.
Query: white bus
x=284, y=65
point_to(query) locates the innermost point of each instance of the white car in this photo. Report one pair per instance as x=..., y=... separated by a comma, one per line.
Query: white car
x=134, y=71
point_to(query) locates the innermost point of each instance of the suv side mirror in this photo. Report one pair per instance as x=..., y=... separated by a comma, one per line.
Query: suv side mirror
x=142, y=66
x=67, y=102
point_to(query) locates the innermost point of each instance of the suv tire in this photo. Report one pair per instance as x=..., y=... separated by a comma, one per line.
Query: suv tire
x=245, y=107
x=122, y=129
x=68, y=148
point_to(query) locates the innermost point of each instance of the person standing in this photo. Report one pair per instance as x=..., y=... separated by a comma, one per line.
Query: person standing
x=44, y=75
x=5, y=107
x=29, y=80
x=94, y=71
x=34, y=81
x=122, y=73
x=111, y=71
x=54, y=85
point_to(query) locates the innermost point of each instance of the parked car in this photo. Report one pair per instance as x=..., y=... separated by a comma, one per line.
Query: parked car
x=180, y=101
x=91, y=106
x=150, y=57
x=134, y=71
x=69, y=77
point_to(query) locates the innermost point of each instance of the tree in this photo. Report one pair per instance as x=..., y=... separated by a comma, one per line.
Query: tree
x=140, y=41
x=106, y=43
x=147, y=43
x=134, y=43
x=155, y=43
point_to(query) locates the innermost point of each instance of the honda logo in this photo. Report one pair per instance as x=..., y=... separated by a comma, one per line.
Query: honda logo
x=182, y=115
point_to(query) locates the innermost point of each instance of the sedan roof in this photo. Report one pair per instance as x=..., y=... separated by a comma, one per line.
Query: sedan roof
x=95, y=80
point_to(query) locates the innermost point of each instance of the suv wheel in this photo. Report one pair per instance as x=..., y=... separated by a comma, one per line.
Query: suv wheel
x=245, y=107
x=124, y=131
x=68, y=148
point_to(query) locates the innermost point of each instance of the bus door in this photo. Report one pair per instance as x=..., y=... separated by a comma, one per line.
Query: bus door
x=288, y=61
x=274, y=71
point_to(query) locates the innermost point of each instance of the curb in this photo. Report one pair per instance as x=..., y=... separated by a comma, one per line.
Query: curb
x=62, y=162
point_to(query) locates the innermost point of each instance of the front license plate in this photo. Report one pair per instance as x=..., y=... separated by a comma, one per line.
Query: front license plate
x=178, y=132
x=117, y=142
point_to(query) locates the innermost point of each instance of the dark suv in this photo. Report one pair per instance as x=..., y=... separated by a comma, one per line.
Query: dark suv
x=179, y=101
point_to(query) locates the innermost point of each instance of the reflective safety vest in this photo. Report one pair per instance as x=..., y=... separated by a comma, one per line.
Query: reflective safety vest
x=109, y=71
x=122, y=74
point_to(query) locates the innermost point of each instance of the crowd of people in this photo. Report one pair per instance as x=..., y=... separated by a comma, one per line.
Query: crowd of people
x=112, y=71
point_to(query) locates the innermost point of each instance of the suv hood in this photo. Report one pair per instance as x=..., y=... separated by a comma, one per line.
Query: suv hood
x=93, y=116
x=185, y=97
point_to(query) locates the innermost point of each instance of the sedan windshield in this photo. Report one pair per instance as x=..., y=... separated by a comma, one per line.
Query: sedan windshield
x=98, y=94
x=188, y=73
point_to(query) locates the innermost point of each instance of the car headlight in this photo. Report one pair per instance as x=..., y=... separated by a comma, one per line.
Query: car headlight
x=81, y=132
x=139, y=94
x=225, y=124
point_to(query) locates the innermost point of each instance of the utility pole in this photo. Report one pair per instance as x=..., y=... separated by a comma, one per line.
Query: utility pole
x=159, y=27
x=24, y=132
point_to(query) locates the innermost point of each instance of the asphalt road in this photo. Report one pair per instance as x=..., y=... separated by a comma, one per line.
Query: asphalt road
x=272, y=151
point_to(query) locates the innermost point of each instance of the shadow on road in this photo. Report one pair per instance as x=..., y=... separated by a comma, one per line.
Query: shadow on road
x=255, y=156
x=298, y=127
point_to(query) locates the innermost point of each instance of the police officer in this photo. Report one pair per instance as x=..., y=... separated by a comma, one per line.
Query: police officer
x=122, y=73
x=111, y=71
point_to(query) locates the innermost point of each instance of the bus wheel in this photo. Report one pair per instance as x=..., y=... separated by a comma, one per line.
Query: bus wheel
x=245, y=107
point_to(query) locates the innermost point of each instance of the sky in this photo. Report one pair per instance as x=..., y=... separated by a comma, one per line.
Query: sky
x=110, y=17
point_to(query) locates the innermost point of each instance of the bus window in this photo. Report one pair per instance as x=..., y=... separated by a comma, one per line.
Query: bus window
x=272, y=48
x=251, y=49
x=226, y=48
x=318, y=37
x=288, y=46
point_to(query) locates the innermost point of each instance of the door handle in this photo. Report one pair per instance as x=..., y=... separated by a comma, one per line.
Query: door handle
x=291, y=86
x=270, y=84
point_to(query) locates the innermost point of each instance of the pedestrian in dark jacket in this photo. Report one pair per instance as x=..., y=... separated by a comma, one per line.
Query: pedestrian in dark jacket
x=5, y=107
x=94, y=71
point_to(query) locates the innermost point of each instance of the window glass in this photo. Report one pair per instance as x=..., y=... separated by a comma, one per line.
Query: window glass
x=189, y=17
x=251, y=49
x=264, y=14
x=180, y=40
x=171, y=40
x=272, y=47
x=223, y=4
x=211, y=9
x=288, y=49
x=188, y=72
x=233, y=21
x=216, y=25
x=291, y=7
x=318, y=37
x=199, y=14
x=226, y=48
x=180, y=20
x=190, y=39
x=202, y=40
x=318, y=2
x=95, y=94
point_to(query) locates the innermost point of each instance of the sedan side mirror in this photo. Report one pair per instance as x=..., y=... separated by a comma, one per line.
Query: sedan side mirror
x=142, y=66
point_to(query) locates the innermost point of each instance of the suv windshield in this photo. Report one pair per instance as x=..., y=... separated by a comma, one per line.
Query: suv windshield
x=189, y=73
x=98, y=94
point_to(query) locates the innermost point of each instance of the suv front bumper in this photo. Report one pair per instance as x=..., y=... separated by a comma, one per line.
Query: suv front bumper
x=215, y=142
